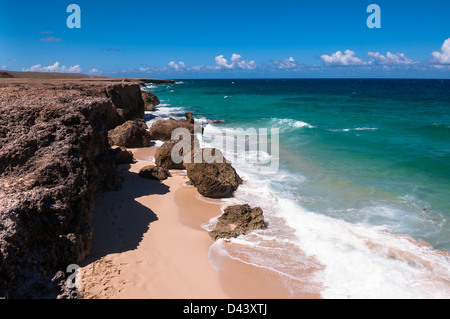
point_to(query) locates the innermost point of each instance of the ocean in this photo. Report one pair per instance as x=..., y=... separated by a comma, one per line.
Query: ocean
x=360, y=204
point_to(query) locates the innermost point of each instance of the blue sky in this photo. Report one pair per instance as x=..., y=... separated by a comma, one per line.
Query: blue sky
x=228, y=39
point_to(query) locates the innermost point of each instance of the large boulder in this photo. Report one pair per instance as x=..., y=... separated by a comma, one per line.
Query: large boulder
x=163, y=156
x=122, y=156
x=162, y=129
x=150, y=101
x=189, y=117
x=238, y=220
x=154, y=172
x=130, y=134
x=214, y=179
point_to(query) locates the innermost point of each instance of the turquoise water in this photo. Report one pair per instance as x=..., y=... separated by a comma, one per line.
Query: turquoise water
x=361, y=162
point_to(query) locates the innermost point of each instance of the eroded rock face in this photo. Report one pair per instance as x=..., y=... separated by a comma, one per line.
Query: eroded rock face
x=189, y=117
x=162, y=129
x=238, y=220
x=212, y=179
x=150, y=101
x=130, y=134
x=154, y=172
x=163, y=156
x=127, y=102
x=54, y=158
x=122, y=156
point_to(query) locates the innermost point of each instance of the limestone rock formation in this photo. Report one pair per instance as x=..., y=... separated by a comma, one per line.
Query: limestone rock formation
x=127, y=102
x=189, y=117
x=162, y=129
x=212, y=179
x=154, y=172
x=54, y=159
x=130, y=134
x=150, y=101
x=163, y=156
x=238, y=220
x=122, y=156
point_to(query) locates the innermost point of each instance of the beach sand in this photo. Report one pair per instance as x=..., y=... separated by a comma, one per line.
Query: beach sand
x=148, y=243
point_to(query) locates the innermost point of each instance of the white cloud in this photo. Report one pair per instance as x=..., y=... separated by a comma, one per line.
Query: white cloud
x=390, y=58
x=338, y=59
x=95, y=71
x=236, y=63
x=54, y=68
x=177, y=66
x=223, y=63
x=288, y=63
x=442, y=57
x=3, y=67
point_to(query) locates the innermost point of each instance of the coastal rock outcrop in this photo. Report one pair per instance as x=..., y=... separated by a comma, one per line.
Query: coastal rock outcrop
x=238, y=220
x=214, y=179
x=163, y=156
x=189, y=117
x=122, y=156
x=150, y=101
x=162, y=129
x=154, y=172
x=130, y=134
x=126, y=101
x=54, y=158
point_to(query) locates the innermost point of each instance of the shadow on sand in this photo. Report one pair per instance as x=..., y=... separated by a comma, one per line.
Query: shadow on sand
x=119, y=220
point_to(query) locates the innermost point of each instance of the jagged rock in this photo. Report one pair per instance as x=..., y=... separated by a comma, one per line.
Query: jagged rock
x=4, y=74
x=189, y=117
x=162, y=129
x=126, y=101
x=238, y=220
x=150, y=101
x=154, y=172
x=130, y=134
x=212, y=179
x=122, y=156
x=163, y=156
x=54, y=159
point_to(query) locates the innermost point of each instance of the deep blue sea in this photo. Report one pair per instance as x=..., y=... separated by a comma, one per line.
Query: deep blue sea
x=363, y=182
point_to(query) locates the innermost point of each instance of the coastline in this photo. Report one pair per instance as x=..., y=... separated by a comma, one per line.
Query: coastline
x=148, y=243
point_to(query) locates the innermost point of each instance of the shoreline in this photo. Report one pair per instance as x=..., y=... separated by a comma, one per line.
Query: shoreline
x=148, y=243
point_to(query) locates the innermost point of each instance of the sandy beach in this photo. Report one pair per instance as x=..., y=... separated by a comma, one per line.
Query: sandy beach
x=148, y=243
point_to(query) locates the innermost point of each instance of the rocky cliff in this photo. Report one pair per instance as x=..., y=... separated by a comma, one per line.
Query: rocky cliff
x=54, y=158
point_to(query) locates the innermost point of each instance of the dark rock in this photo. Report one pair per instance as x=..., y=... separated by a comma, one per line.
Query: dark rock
x=162, y=130
x=127, y=102
x=130, y=134
x=4, y=74
x=238, y=220
x=122, y=156
x=215, y=180
x=163, y=155
x=54, y=159
x=154, y=172
x=150, y=101
x=189, y=117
